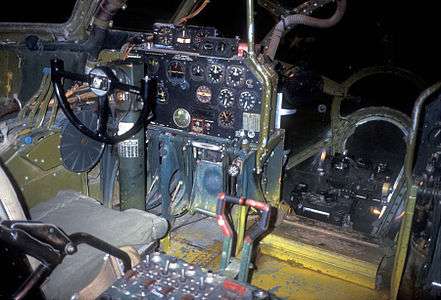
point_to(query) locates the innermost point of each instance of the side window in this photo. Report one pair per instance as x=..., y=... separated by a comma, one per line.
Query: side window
x=42, y=11
x=140, y=15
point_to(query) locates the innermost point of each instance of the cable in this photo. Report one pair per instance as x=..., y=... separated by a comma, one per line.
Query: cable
x=299, y=19
x=193, y=13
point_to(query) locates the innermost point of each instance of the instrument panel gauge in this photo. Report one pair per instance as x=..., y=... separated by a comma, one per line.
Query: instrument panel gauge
x=226, y=98
x=161, y=94
x=176, y=71
x=197, y=72
x=235, y=76
x=247, y=100
x=182, y=118
x=215, y=73
x=203, y=94
x=152, y=66
x=226, y=119
x=199, y=37
x=165, y=36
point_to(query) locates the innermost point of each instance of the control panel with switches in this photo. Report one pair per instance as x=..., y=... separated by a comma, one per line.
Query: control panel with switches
x=160, y=276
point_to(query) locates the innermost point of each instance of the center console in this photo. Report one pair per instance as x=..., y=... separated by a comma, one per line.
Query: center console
x=207, y=121
x=160, y=276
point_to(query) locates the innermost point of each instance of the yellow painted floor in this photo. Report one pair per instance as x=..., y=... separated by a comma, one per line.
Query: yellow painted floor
x=201, y=244
x=294, y=282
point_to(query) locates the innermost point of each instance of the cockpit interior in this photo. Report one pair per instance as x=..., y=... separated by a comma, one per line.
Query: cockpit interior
x=218, y=149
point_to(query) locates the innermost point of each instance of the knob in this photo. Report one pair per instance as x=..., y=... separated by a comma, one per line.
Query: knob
x=202, y=283
x=166, y=267
x=183, y=278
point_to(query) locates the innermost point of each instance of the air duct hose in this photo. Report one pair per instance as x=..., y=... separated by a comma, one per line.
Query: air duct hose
x=299, y=19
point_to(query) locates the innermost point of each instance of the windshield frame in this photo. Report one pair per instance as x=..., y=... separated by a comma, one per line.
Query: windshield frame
x=73, y=29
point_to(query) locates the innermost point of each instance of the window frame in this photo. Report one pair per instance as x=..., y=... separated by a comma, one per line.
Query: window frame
x=73, y=29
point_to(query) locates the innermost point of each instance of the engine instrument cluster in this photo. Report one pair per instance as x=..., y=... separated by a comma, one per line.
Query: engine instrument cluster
x=204, y=85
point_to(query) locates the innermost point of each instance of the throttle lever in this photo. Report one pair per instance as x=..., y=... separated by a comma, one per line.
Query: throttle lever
x=255, y=231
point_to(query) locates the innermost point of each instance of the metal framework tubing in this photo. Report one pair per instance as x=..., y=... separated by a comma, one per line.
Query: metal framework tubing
x=268, y=87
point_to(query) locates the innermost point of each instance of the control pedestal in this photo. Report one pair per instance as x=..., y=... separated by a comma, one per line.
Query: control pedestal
x=160, y=276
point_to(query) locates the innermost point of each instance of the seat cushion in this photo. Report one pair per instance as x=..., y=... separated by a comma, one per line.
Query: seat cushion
x=74, y=212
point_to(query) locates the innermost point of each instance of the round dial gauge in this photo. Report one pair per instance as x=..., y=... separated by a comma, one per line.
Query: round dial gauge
x=165, y=36
x=226, y=119
x=215, y=73
x=176, y=71
x=203, y=94
x=199, y=37
x=152, y=66
x=247, y=100
x=197, y=72
x=226, y=98
x=161, y=94
x=235, y=76
x=182, y=118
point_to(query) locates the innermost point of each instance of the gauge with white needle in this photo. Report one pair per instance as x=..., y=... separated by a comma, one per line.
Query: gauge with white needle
x=226, y=98
x=235, y=76
x=247, y=100
x=215, y=73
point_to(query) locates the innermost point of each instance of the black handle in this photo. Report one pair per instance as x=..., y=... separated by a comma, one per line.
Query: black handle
x=58, y=74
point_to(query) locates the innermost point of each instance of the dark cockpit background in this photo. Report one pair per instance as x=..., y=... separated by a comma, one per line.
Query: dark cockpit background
x=377, y=32
x=372, y=32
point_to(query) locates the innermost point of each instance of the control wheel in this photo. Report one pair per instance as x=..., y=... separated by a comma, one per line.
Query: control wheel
x=102, y=82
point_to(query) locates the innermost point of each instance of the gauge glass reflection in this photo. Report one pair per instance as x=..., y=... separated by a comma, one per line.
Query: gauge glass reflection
x=182, y=118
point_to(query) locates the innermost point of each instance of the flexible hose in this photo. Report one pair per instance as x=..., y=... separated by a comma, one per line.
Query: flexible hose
x=299, y=19
x=108, y=8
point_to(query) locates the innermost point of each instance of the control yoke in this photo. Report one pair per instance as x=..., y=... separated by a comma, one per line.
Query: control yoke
x=102, y=82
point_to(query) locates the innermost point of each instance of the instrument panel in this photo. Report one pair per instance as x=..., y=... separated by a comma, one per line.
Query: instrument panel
x=200, y=91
